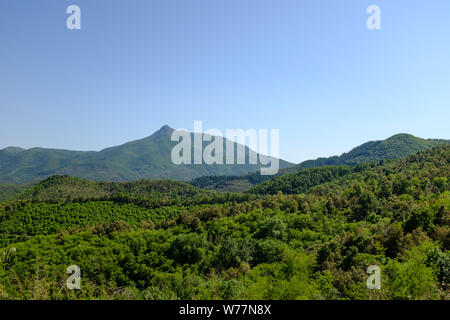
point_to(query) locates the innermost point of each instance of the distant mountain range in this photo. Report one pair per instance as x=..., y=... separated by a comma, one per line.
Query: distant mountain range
x=397, y=146
x=148, y=158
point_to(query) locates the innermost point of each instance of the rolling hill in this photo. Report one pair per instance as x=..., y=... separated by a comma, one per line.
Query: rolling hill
x=64, y=188
x=148, y=158
x=397, y=146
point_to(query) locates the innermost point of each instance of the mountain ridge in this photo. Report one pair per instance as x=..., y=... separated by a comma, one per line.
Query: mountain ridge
x=146, y=158
x=397, y=146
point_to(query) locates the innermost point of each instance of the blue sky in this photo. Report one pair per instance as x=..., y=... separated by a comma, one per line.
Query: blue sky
x=310, y=68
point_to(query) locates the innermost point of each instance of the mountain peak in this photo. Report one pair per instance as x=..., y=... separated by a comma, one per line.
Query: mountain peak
x=164, y=131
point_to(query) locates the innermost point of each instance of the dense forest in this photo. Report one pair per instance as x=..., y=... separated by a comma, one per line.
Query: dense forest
x=309, y=234
x=397, y=146
x=8, y=191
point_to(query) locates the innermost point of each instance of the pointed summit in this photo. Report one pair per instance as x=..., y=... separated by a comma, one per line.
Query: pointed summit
x=164, y=131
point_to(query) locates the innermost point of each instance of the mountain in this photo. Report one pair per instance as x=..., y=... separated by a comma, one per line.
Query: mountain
x=397, y=146
x=148, y=158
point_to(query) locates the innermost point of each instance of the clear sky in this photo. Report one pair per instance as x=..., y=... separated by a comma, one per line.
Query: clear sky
x=308, y=67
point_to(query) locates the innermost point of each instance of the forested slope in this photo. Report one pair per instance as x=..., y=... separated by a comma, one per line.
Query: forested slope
x=314, y=245
x=397, y=146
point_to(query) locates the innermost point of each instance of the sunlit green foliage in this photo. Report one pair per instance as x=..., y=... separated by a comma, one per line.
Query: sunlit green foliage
x=315, y=243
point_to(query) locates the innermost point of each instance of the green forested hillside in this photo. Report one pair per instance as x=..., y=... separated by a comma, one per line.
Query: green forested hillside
x=148, y=158
x=313, y=245
x=240, y=183
x=9, y=191
x=303, y=180
x=66, y=188
x=76, y=203
x=398, y=146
